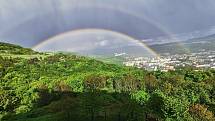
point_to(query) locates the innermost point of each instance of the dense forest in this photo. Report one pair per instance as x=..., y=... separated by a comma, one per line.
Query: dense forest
x=63, y=87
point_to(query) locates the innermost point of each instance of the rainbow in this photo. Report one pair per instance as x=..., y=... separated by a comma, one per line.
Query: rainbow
x=80, y=31
x=123, y=10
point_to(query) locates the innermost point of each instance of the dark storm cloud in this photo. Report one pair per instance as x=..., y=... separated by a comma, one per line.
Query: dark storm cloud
x=183, y=15
x=29, y=22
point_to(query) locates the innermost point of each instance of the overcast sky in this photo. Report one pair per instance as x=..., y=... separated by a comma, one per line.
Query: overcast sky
x=29, y=22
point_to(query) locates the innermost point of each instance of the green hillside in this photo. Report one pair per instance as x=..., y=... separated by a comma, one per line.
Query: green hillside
x=65, y=87
x=14, y=49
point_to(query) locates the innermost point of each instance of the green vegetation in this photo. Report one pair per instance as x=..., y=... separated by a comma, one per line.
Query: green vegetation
x=110, y=59
x=63, y=87
x=6, y=48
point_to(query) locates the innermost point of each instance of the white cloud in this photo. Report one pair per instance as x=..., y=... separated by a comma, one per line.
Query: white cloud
x=102, y=43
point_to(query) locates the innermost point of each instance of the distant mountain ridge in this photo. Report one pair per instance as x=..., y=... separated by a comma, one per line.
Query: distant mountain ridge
x=192, y=45
x=209, y=38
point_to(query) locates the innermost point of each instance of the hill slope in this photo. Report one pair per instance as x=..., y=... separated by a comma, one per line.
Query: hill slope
x=63, y=87
x=14, y=49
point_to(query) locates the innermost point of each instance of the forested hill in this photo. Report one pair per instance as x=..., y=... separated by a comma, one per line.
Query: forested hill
x=63, y=87
x=14, y=49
